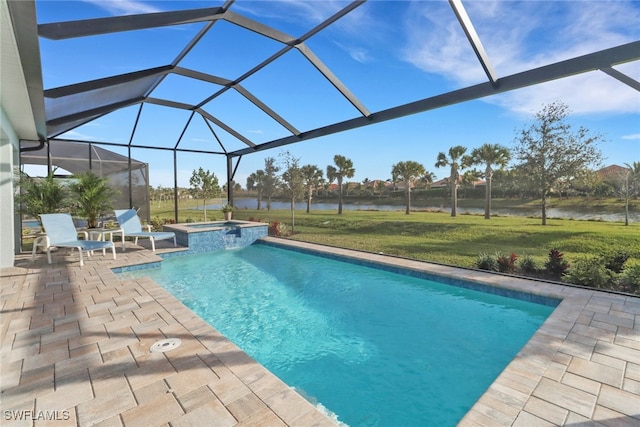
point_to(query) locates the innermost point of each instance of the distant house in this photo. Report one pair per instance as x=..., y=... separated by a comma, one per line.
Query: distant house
x=347, y=187
x=444, y=183
x=373, y=184
x=611, y=173
x=441, y=183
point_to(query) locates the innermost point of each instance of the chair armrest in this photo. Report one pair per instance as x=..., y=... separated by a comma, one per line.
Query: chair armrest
x=84, y=233
x=41, y=241
x=148, y=227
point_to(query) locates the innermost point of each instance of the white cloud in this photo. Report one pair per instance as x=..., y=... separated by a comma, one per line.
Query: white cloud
x=632, y=136
x=593, y=92
x=358, y=54
x=358, y=27
x=436, y=44
x=290, y=10
x=124, y=7
x=525, y=35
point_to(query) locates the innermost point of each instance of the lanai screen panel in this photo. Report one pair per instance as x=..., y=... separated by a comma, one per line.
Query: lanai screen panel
x=78, y=157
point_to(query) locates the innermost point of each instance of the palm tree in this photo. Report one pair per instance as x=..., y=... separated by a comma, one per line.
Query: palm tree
x=255, y=181
x=456, y=162
x=312, y=176
x=343, y=168
x=408, y=172
x=468, y=179
x=489, y=155
x=427, y=179
x=92, y=196
x=42, y=195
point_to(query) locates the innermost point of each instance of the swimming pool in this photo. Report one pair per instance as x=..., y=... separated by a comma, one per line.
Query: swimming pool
x=373, y=346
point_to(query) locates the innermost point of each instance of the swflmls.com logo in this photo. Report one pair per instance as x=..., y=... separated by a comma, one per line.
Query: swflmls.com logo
x=37, y=415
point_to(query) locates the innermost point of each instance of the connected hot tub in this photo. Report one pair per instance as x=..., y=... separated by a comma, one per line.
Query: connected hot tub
x=217, y=235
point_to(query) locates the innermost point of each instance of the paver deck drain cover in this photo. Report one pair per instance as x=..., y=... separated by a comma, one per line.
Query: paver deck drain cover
x=165, y=345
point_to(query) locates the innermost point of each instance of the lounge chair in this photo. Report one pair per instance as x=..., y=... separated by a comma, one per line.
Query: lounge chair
x=131, y=227
x=61, y=233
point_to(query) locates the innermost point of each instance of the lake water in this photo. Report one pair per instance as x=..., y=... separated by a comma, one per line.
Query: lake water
x=592, y=215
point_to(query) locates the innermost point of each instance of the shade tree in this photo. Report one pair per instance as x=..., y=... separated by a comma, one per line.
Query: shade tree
x=550, y=151
x=205, y=186
x=292, y=183
x=271, y=180
x=313, y=177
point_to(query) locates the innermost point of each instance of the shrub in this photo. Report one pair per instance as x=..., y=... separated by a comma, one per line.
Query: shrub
x=486, y=262
x=556, y=265
x=630, y=279
x=157, y=222
x=614, y=260
x=506, y=264
x=527, y=264
x=274, y=228
x=589, y=271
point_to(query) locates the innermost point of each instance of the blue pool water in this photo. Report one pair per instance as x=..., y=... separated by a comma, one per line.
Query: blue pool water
x=374, y=347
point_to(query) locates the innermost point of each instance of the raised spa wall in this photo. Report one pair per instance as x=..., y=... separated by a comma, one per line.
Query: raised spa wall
x=212, y=236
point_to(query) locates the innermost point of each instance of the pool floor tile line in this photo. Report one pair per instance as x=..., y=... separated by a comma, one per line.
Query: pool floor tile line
x=75, y=342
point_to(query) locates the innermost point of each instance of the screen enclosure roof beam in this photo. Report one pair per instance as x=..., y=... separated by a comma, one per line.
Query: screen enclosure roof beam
x=622, y=77
x=474, y=39
x=92, y=27
x=582, y=64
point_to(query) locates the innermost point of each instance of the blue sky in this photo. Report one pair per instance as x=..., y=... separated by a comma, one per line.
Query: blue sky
x=386, y=52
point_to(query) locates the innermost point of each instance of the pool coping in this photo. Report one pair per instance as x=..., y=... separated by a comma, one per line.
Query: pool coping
x=197, y=227
x=583, y=363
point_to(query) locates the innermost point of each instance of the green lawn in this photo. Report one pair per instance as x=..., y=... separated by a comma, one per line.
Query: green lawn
x=436, y=236
x=440, y=238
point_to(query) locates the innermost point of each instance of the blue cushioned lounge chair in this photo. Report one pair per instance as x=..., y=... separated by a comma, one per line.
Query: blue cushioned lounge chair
x=131, y=226
x=61, y=233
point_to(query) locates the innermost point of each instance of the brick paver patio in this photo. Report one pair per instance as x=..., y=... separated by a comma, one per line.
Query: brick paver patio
x=75, y=347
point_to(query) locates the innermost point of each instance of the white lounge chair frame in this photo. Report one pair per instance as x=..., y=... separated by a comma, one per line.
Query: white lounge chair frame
x=130, y=226
x=61, y=233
